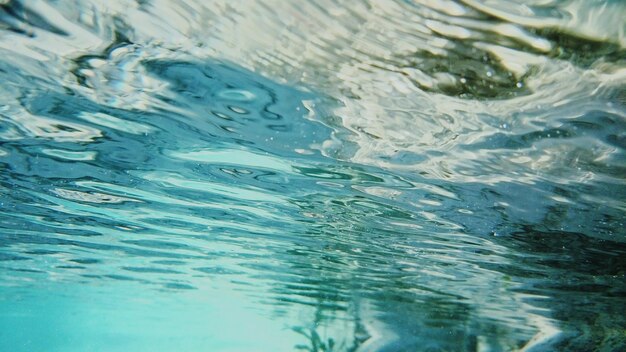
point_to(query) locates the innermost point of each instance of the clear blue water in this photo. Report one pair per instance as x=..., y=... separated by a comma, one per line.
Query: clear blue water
x=390, y=176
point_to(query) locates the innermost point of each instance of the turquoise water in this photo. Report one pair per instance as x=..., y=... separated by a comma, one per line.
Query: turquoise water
x=312, y=176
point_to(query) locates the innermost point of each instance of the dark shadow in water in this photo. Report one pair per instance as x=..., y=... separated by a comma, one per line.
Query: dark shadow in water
x=584, y=278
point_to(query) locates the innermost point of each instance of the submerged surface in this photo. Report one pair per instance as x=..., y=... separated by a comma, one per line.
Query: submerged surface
x=314, y=176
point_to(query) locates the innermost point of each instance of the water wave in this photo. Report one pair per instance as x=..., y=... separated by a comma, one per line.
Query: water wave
x=373, y=176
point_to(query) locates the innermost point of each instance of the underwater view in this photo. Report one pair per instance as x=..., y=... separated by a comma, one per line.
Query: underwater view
x=321, y=176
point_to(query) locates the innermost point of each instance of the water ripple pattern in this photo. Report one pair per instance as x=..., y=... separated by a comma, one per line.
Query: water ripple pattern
x=312, y=175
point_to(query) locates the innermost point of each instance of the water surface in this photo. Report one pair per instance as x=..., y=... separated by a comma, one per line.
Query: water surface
x=313, y=176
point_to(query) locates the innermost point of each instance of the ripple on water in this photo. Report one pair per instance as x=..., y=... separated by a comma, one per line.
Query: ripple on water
x=374, y=177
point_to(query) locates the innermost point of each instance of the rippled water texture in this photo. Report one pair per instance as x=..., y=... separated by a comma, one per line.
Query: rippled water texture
x=312, y=175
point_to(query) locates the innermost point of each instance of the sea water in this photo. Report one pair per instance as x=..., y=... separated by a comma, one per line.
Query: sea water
x=312, y=175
